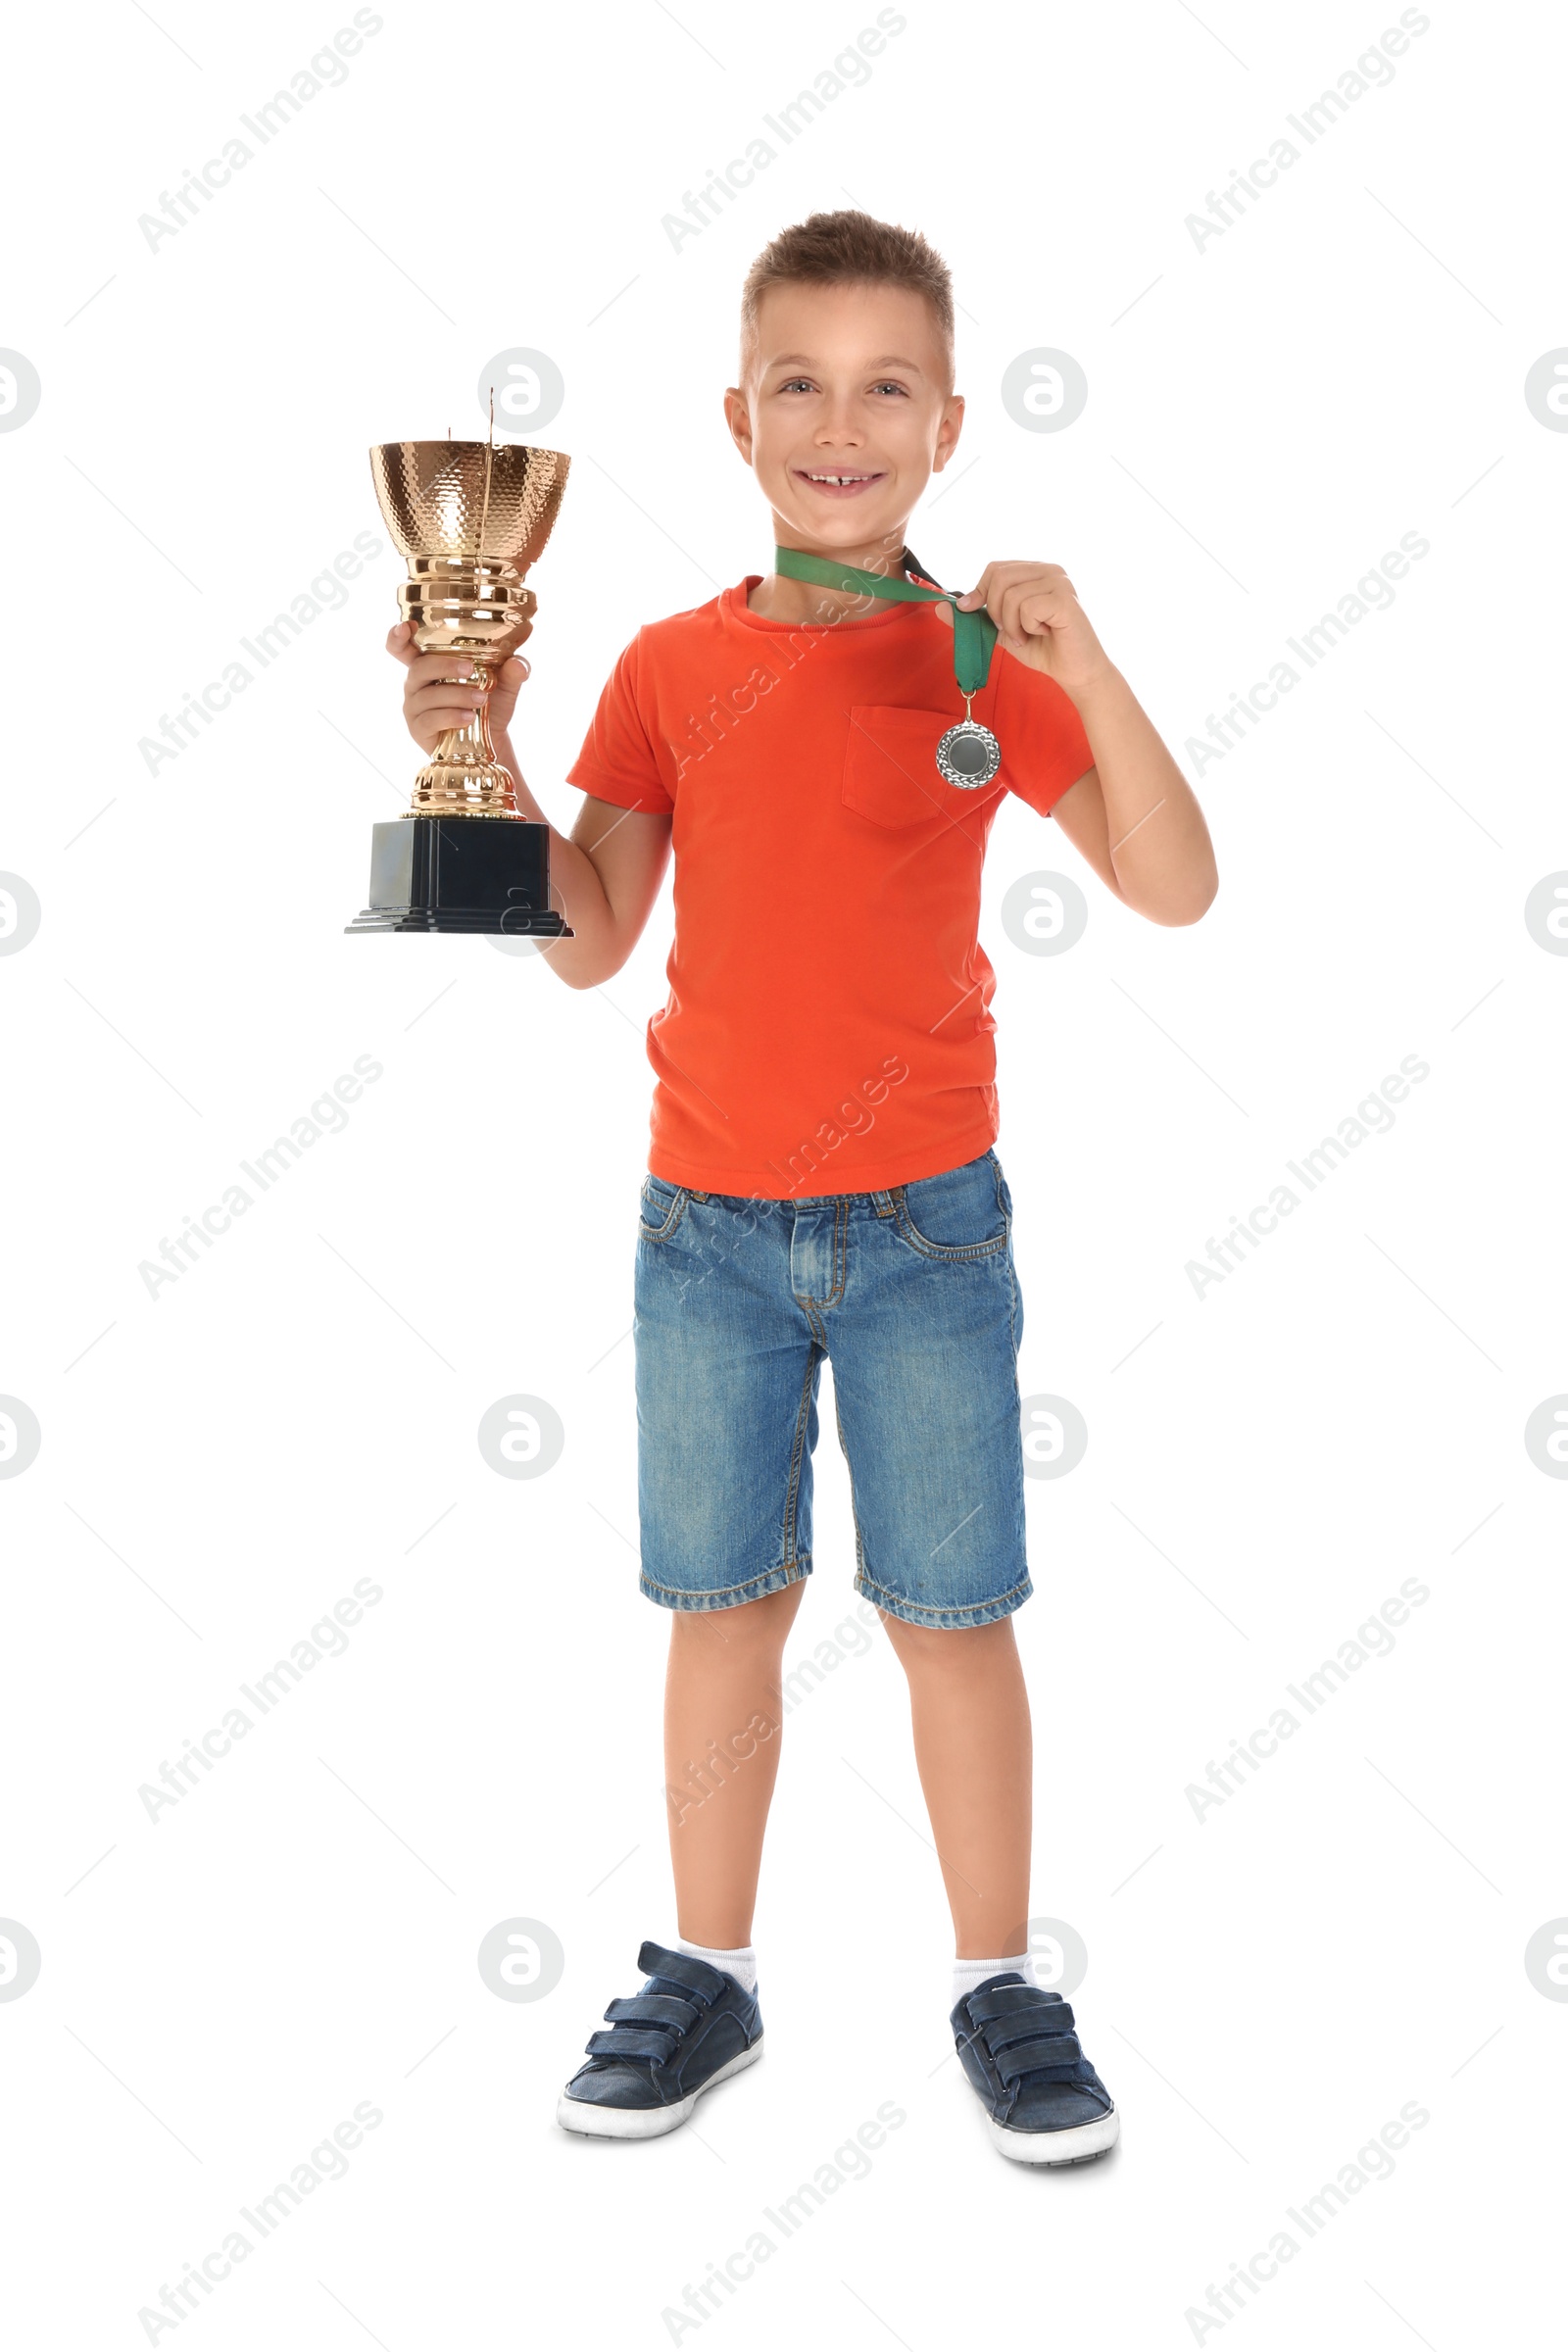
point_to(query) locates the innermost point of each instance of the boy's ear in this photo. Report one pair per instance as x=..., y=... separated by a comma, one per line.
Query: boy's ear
x=738, y=417
x=948, y=431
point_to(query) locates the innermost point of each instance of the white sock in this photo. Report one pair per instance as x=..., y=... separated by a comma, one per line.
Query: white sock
x=969, y=1975
x=740, y=1964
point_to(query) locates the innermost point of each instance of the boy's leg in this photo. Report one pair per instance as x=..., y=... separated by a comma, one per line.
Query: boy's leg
x=969, y=1710
x=924, y=1349
x=925, y=1346
x=727, y=1374
x=723, y=1722
x=728, y=1369
x=695, y=2019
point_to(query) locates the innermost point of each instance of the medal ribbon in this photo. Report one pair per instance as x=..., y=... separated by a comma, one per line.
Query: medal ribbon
x=974, y=634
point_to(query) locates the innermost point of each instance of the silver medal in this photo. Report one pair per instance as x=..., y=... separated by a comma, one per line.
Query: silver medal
x=968, y=754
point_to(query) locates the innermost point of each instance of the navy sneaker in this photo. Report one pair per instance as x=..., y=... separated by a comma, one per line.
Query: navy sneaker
x=1043, y=2102
x=690, y=2027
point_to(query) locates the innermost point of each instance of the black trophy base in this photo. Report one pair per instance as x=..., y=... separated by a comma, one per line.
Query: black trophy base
x=461, y=873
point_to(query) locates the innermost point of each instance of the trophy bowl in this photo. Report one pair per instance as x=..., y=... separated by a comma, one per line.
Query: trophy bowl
x=469, y=519
x=432, y=497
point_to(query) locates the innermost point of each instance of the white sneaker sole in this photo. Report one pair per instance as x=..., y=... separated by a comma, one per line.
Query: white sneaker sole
x=1073, y=2147
x=646, y=2123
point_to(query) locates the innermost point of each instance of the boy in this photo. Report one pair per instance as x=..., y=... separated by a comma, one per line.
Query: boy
x=821, y=1179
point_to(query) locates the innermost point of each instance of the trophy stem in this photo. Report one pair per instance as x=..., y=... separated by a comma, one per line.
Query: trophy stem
x=462, y=776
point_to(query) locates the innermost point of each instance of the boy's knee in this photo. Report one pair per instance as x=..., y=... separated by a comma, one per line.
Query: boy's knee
x=942, y=1647
x=756, y=1626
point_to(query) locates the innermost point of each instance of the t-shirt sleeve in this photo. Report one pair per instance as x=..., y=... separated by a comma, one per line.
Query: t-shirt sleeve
x=1044, y=746
x=618, y=761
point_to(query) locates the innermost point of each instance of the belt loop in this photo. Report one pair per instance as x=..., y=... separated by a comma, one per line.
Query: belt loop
x=884, y=1203
x=694, y=1196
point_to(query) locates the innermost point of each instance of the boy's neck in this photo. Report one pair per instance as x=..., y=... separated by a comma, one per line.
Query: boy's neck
x=778, y=598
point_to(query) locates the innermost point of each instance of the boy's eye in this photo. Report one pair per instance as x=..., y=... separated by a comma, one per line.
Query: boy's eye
x=803, y=384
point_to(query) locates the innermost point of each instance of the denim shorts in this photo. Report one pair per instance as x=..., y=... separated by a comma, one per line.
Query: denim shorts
x=912, y=1294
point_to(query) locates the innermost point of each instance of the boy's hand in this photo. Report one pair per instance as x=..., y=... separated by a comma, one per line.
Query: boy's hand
x=432, y=703
x=1040, y=621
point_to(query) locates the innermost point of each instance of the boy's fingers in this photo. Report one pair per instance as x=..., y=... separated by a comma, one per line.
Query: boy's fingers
x=1008, y=612
x=400, y=640
x=438, y=699
x=433, y=670
x=442, y=690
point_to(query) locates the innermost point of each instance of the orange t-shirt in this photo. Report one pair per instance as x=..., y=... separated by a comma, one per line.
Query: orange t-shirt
x=828, y=1026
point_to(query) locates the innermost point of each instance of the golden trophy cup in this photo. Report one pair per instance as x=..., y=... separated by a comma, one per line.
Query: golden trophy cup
x=469, y=520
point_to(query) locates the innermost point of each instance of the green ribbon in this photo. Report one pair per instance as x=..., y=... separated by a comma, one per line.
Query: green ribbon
x=974, y=634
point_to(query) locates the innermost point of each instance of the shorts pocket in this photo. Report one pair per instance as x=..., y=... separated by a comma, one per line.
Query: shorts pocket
x=965, y=1212
x=662, y=1207
x=890, y=768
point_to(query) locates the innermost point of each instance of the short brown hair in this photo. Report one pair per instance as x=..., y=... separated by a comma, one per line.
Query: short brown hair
x=846, y=249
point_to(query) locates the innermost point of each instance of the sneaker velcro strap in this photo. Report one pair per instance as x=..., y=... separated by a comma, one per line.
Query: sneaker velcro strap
x=634, y=2041
x=1004, y=2032
x=655, y=2009
x=1013, y=2000
x=680, y=1968
x=1052, y=2055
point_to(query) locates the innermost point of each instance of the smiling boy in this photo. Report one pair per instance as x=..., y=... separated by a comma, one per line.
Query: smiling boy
x=822, y=1181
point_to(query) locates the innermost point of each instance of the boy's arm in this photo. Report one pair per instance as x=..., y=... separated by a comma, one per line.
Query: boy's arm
x=1161, y=865
x=1133, y=815
x=605, y=877
x=1081, y=814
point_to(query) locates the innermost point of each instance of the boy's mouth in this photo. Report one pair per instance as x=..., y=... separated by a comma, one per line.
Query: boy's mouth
x=836, y=481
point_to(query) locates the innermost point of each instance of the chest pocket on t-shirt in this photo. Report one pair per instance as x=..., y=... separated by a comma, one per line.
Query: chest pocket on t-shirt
x=890, y=768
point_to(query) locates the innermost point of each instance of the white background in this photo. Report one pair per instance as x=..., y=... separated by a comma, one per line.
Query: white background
x=1267, y=1985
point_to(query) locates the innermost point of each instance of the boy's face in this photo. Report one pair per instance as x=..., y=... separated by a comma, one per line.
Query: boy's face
x=845, y=413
